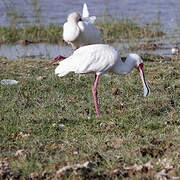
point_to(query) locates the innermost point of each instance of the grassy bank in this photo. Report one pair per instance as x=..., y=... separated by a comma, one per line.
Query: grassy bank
x=118, y=30
x=48, y=123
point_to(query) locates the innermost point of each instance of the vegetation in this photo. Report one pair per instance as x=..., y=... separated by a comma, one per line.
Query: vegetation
x=48, y=123
x=123, y=30
x=110, y=31
x=49, y=129
x=50, y=34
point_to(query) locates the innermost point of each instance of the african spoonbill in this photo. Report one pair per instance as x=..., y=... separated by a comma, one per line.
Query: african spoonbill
x=99, y=59
x=79, y=31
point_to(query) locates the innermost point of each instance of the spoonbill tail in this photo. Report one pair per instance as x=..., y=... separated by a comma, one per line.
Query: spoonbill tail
x=99, y=59
x=79, y=31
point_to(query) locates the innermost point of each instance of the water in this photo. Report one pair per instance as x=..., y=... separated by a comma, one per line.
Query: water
x=49, y=51
x=42, y=50
x=24, y=13
x=145, y=11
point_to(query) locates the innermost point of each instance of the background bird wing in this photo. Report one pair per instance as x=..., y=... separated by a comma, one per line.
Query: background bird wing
x=85, y=12
x=85, y=15
x=89, y=33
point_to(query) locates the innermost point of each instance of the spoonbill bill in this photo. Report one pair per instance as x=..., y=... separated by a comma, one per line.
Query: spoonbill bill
x=99, y=59
x=79, y=31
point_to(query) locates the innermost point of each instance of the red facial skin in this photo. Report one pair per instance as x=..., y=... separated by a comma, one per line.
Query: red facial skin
x=140, y=66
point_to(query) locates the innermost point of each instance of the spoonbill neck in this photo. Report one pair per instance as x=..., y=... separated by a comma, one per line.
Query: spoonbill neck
x=123, y=67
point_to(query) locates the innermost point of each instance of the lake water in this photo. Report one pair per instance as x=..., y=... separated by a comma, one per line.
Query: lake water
x=47, y=11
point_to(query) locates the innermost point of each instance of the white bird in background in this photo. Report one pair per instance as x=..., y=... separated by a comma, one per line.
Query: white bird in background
x=99, y=59
x=175, y=50
x=79, y=31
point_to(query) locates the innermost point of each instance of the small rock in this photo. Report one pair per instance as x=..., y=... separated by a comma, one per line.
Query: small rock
x=61, y=125
x=75, y=152
x=8, y=82
x=58, y=125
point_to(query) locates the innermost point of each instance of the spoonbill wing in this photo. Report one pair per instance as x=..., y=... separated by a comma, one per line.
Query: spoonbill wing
x=96, y=58
x=89, y=33
x=85, y=12
x=91, y=19
x=85, y=15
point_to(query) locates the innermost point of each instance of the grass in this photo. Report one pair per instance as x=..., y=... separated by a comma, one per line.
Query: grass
x=123, y=30
x=50, y=34
x=116, y=31
x=134, y=137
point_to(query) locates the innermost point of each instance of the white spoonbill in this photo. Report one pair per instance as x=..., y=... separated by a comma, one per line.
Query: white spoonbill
x=79, y=31
x=99, y=59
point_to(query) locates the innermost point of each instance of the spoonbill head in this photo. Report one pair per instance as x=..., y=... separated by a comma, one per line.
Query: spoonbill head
x=71, y=30
x=74, y=17
x=99, y=59
x=139, y=64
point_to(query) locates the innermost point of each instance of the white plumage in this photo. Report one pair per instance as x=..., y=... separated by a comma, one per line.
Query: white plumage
x=85, y=14
x=175, y=50
x=99, y=59
x=79, y=31
x=92, y=58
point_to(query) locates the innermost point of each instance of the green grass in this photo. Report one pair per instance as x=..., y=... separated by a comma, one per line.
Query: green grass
x=115, y=31
x=123, y=30
x=50, y=34
x=131, y=129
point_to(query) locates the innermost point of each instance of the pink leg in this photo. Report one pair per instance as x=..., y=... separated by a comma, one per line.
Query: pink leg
x=95, y=93
x=58, y=58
